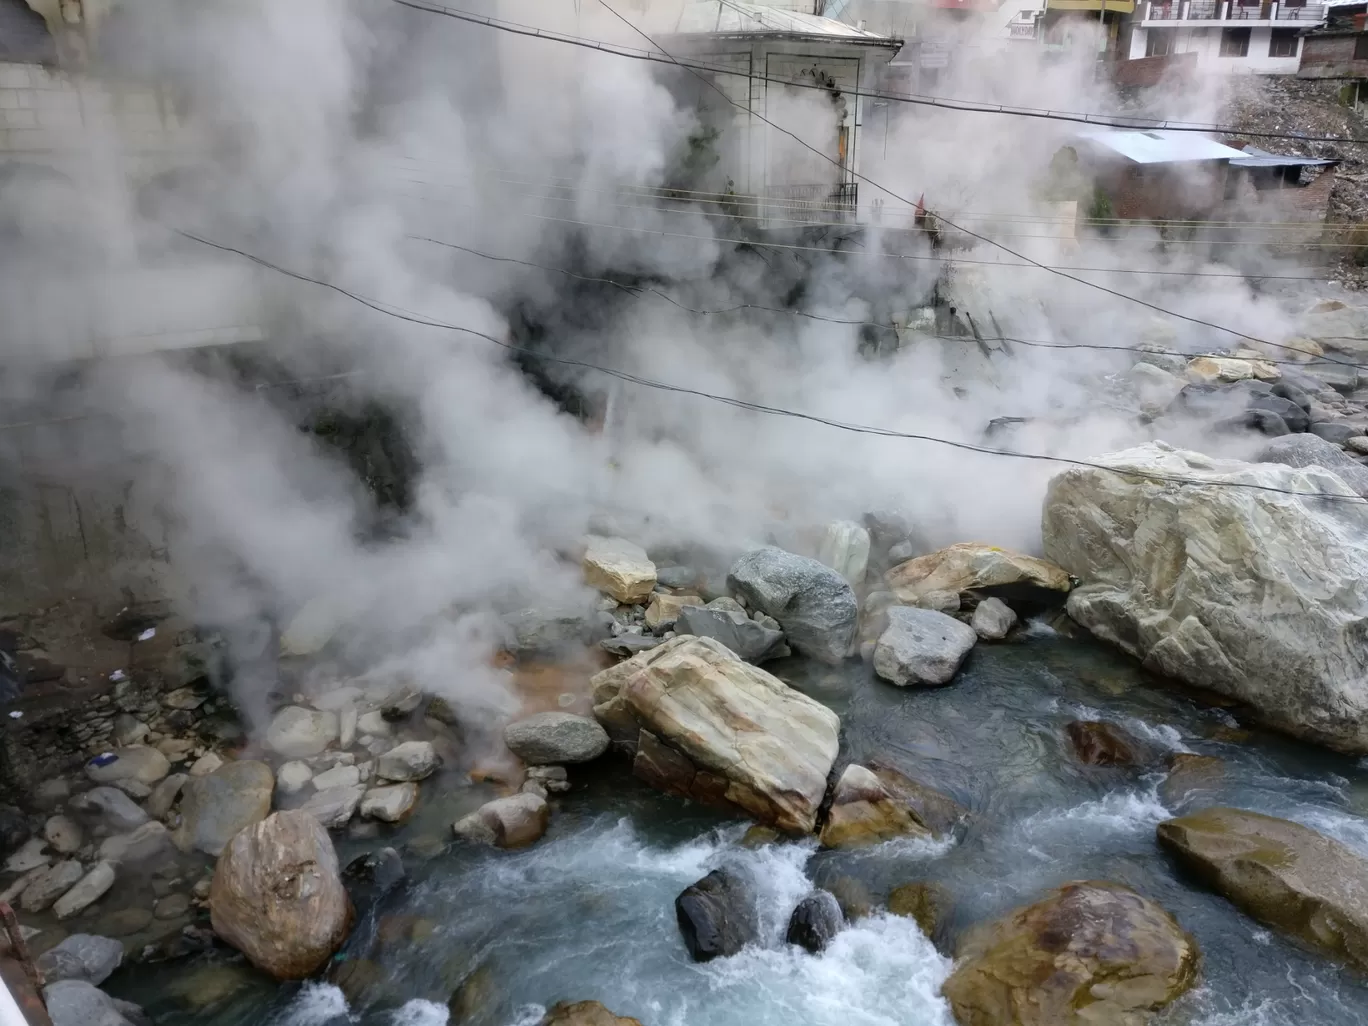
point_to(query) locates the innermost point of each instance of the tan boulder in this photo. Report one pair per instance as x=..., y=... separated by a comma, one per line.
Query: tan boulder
x=277, y=897
x=619, y=568
x=664, y=609
x=512, y=822
x=973, y=566
x=707, y=726
x=584, y=1013
x=870, y=806
x=1189, y=772
x=1088, y=954
x=1281, y=873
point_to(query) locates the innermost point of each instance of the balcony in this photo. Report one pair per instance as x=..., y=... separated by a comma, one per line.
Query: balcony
x=1023, y=29
x=1241, y=12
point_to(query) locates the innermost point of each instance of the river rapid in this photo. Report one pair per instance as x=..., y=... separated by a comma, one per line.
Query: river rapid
x=587, y=913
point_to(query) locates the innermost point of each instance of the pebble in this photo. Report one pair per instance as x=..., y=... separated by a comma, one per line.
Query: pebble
x=173, y=906
x=1358, y=444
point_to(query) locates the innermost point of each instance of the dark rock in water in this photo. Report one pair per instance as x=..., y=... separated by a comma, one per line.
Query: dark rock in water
x=1266, y=422
x=815, y=921
x=814, y=604
x=1099, y=743
x=751, y=641
x=14, y=829
x=357, y=978
x=926, y=903
x=1291, y=414
x=1203, y=400
x=1189, y=772
x=717, y=916
x=373, y=874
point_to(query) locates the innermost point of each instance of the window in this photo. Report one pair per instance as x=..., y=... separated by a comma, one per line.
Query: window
x=1283, y=43
x=1361, y=48
x=1235, y=42
x=1159, y=42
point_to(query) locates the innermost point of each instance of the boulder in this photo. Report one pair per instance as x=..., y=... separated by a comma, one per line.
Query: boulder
x=412, y=760
x=845, y=548
x=816, y=920
x=548, y=632
x=216, y=807
x=78, y=1003
x=63, y=834
x=88, y=890
x=871, y=806
x=717, y=916
x=334, y=807
x=619, y=568
x=139, y=845
x=108, y=809
x=297, y=733
x=973, y=566
x=554, y=738
x=1246, y=591
x=925, y=903
x=30, y=855
x=814, y=604
x=389, y=804
x=137, y=762
x=375, y=872
x=293, y=777
x=1099, y=743
x=512, y=822
x=921, y=647
x=206, y=764
x=1189, y=772
x=1283, y=874
x=584, y=1013
x=713, y=728
x=1314, y=451
x=82, y=956
x=50, y=885
x=278, y=898
x=338, y=776
x=993, y=618
x=750, y=640
x=164, y=795
x=663, y=612
x=1087, y=954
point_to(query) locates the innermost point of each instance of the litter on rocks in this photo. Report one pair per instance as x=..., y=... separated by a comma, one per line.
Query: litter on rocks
x=148, y=634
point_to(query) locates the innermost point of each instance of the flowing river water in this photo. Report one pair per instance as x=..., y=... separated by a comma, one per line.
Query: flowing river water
x=587, y=913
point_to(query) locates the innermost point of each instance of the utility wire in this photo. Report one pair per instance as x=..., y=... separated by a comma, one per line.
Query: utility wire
x=945, y=103
x=400, y=313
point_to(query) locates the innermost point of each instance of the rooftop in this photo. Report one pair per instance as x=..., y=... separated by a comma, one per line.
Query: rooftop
x=1159, y=147
x=1252, y=156
x=730, y=18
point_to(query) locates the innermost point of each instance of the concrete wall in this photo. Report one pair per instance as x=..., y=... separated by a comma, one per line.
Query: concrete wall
x=1332, y=56
x=1205, y=42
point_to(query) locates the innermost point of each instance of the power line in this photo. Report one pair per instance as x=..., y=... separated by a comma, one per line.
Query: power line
x=400, y=313
x=944, y=103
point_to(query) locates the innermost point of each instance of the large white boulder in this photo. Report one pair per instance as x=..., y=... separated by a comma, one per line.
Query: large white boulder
x=1227, y=583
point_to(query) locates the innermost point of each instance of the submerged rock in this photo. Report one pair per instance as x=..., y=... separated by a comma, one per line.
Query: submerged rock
x=512, y=822
x=50, y=885
x=816, y=920
x=389, y=804
x=216, y=807
x=750, y=640
x=1099, y=743
x=1281, y=873
x=973, y=566
x=278, y=898
x=584, y=1013
x=713, y=728
x=814, y=604
x=619, y=568
x=1246, y=591
x=717, y=916
x=921, y=647
x=1189, y=772
x=554, y=738
x=925, y=903
x=1089, y=953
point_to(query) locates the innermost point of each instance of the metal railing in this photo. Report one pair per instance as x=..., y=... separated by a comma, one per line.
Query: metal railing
x=1305, y=12
x=1236, y=10
x=1023, y=29
x=802, y=197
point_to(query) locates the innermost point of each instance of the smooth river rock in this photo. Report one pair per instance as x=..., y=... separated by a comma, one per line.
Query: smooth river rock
x=88, y=890
x=869, y=806
x=1281, y=873
x=584, y=1013
x=619, y=568
x=717, y=915
x=921, y=647
x=136, y=762
x=993, y=619
x=705, y=725
x=297, y=733
x=1086, y=955
x=216, y=807
x=412, y=760
x=512, y=822
x=82, y=956
x=1255, y=594
x=974, y=566
x=816, y=920
x=277, y=896
x=78, y=1003
x=814, y=605
x=555, y=738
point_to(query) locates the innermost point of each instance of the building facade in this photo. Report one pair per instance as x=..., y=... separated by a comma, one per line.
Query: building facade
x=1259, y=37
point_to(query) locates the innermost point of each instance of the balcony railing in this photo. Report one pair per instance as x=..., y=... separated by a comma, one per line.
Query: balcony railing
x=1023, y=30
x=1236, y=11
x=1314, y=13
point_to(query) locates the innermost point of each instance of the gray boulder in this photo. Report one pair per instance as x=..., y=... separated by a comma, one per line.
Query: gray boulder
x=750, y=640
x=412, y=760
x=813, y=603
x=297, y=733
x=334, y=806
x=137, y=762
x=109, y=809
x=555, y=738
x=216, y=807
x=78, y=1003
x=922, y=647
x=82, y=956
x=1314, y=451
x=88, y=890
x=546, y=632
x=717, y=916
x=993, y=619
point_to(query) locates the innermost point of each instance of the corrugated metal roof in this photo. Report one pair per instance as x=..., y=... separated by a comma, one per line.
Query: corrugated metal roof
x=1159, y=147
x=727, y=17
x=1252, y=156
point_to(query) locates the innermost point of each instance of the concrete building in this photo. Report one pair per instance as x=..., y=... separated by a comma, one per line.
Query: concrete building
x=1339, y=55
x=1260, y=37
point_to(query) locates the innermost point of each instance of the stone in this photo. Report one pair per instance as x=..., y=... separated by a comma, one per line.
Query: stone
x=993, y=619
x=630, y=644
x=334, y=807
x=31, y=855
x=173, y=906
x=921, y=647
x=278, y=898
x=108, y=809
x=125, y=922
x=1283, y=874
x=82, y=956
x=716, y=729
x=554, y=738
x=400, y=703
x=853, y=896
x=1211, y=369
x=184, y=698
x=1287, y=411
x=717, y=916
x=63, y=834
x=55, y=881
x=813, y=603
x=412, y=760
x=1313, y=451
x=663, y=612
x=16, y=887
x=128, y=730
x=1154, y=386
x=389, y=804
x=868, y=807
x=512, y=822
x=297, y=733
x=973, y=566
x=375, y=872
x=175, y=748
x=88, y=890
x=216, y=807
x=1337, y=432
x=925, y=903
x=749, y=639
x=348, y=716
x=845, y=548
x=338, y=776
x=136, y=846
x=78, y=1003
x=206, y=764
x=1099, y=743
x=163, y=797
x=374, y=723
x=293, y=777
x=619, y=568
x=816, y=920
x=677, y=576
x=1189, y=772
x=1244, y=591
x=312, y=627
x=135, y=789
x=582, y=1013
x=1088, y=953
x=139, y=762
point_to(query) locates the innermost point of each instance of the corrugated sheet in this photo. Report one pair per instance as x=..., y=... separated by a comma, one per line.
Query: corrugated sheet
x=731, y=18
x=1252, y=156
x=1159, y=147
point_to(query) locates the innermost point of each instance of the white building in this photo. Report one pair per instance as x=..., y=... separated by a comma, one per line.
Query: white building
x=1260, y=37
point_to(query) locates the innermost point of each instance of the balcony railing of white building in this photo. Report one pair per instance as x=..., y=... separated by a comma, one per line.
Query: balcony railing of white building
x=1236, y=11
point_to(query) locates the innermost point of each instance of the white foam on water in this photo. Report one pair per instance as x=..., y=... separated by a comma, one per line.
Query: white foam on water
x=421, y=1013
x=1036, y=628
x=1162, y=735
x=1344, y=827
x=316, y=1004
x=1122, y=812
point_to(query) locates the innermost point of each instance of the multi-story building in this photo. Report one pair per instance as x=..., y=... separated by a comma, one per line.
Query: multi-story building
x=1262, y=37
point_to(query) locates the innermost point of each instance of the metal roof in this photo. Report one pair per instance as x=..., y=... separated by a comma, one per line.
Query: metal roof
x=1252, y=156
x=730, y=18
x=1159, y=147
